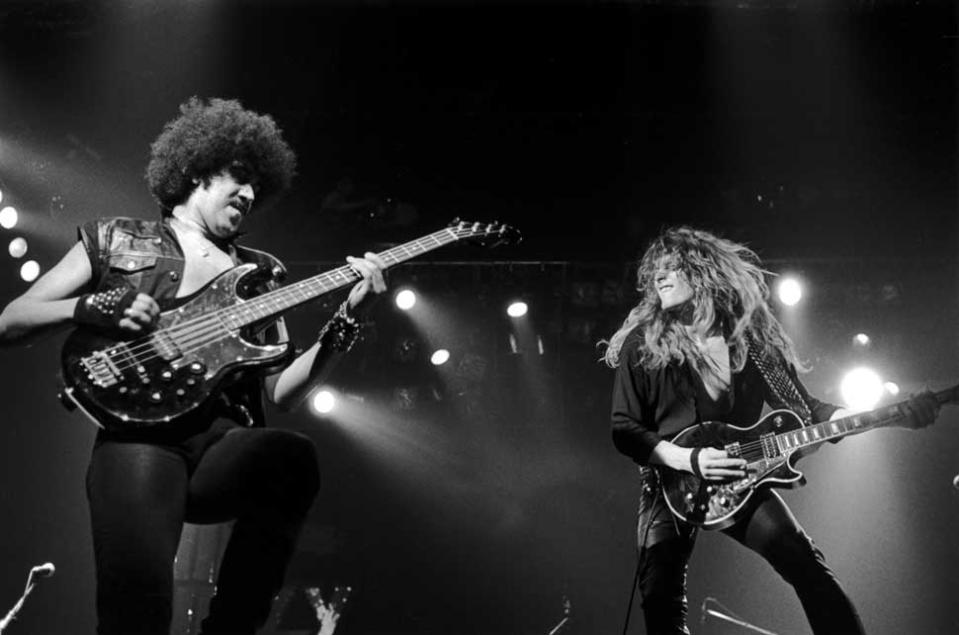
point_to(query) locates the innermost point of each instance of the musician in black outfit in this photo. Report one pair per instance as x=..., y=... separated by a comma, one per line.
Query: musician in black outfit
x=681, y=358
x=207, y=169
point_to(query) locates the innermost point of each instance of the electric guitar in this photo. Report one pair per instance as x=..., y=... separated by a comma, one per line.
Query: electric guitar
x=200, y=346
x=770, y=447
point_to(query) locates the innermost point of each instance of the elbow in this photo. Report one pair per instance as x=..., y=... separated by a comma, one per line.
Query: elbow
x=284, y=405
x=8, y=334
x=621, y=438
x=282, y=400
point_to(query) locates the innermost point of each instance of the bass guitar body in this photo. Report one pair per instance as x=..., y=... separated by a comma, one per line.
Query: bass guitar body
x=175, y=371
x=715, y=505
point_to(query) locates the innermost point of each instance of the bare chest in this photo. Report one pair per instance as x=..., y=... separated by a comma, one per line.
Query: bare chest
x=202, y=262
x=717, y=376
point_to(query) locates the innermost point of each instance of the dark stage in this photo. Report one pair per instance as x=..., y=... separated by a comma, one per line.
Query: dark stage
x=485, y=495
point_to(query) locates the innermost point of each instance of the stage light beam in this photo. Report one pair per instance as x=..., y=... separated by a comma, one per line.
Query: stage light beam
x=517, y=309
x=8, y=217
x=324, y=402
x=30, y=270
x=405, y=299
x=440, y=357
x=789, y=291
x=861, y=389
x=18, y=247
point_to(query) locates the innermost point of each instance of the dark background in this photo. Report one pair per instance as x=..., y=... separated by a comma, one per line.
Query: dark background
x=476, y=497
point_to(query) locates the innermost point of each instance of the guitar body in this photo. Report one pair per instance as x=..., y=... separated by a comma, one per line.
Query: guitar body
x=171, y=373
x=718, y=505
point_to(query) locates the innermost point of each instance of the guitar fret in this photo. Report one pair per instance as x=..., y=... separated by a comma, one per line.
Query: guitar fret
x=274, y=302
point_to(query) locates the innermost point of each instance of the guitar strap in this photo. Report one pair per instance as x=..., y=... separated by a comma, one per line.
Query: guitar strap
x=780, y=384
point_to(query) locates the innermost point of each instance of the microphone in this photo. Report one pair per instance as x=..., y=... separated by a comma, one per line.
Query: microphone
x=43, y=571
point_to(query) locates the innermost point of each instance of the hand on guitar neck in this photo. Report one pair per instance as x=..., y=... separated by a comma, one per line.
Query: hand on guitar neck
x=920, y=410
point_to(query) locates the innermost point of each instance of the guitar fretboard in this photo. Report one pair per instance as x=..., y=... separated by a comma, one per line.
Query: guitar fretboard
x=827, y=430
x=280, y=300
x=854, y=424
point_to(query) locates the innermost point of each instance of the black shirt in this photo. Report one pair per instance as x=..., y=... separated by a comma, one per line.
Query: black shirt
x=650, y=405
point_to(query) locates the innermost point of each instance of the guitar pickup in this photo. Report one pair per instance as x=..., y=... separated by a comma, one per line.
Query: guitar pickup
x=101, y=370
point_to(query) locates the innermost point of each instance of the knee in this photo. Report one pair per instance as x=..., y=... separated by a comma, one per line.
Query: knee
x=662, y=579
x=295, y=454
x=797, y=559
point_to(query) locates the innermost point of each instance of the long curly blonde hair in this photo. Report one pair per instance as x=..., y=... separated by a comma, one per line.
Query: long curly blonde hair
x=730, y=294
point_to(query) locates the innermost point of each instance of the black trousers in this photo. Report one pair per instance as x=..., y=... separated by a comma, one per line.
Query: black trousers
x=140, y=494
x=770, y=529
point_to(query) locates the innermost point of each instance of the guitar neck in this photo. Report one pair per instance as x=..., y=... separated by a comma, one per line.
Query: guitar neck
x=854, y=424
x=276, y=302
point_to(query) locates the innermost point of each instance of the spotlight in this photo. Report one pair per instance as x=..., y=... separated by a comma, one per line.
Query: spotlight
x=405, y=299
x=30, y=270
x=440, y=357
x=18, y=247
x=8, y=217
x=891, y=387
x=324, y=402
x=789, y=291
x=861, y=389
x=517, y=309
x=861, y=339
x=1, y=196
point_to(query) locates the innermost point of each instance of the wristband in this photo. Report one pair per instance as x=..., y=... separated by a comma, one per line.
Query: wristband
x=341, y=332
x=694, y=463
x=104, y=309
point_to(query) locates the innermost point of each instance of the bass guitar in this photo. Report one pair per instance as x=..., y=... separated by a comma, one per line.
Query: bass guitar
x=202, y=344
x=770, y=448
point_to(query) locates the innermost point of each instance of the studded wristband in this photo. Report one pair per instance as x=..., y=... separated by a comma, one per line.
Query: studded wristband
x=105, y=308
x=341, y=332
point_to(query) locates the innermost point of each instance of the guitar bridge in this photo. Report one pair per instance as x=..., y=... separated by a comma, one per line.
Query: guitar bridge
x=101, y=370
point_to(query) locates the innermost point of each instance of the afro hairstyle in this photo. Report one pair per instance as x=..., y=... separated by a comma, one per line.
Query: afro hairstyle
x=209, y=137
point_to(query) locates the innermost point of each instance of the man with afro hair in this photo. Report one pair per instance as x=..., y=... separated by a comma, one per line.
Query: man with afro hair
x=207, y=169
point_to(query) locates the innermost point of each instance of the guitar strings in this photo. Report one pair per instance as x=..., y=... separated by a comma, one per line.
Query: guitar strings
x=194, y=333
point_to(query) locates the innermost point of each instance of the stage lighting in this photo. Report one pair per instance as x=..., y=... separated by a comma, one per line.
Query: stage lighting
x=8, y=217
x=405, y=299
x=861, y=339
x=440, y=357
x=324, y=402
x=18, y=247
x=891, y=387
x=30, y=270
x=1, y=196
x=517, y=309
x=789, y=291
x=861, y=389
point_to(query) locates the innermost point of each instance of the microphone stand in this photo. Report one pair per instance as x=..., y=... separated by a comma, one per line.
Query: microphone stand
x=730, y=618
x=566, y=609
x=19, y=605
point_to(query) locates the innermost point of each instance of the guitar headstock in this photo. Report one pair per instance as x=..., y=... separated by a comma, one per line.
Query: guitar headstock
x=488, y=234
